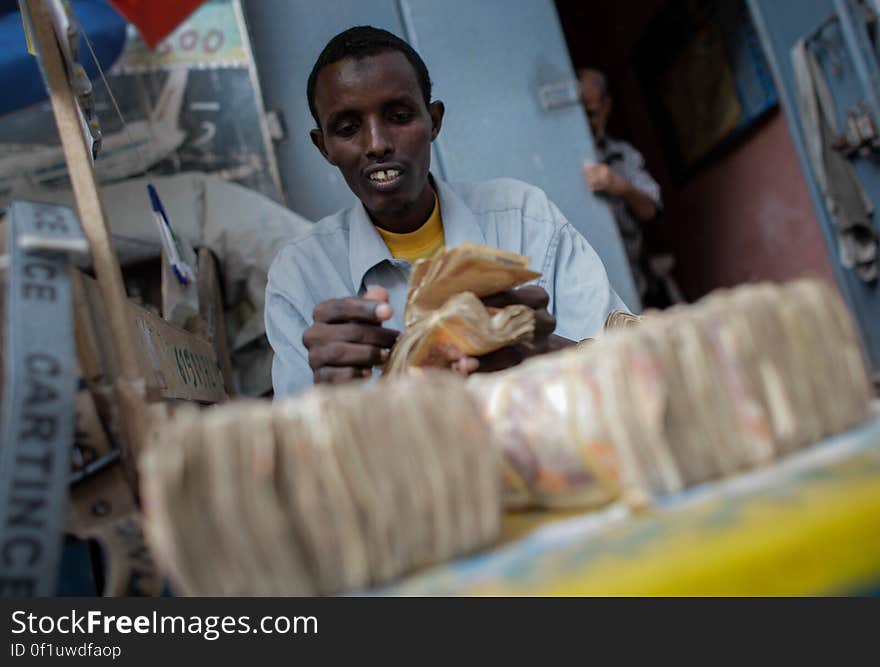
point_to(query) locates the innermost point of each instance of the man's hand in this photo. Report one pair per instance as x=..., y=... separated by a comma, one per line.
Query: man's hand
x=347, y=338
x=543, y=341
x=602, y=178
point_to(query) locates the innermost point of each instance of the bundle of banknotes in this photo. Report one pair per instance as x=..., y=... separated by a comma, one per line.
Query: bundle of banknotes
x=686, y=395
x=446, y=319
x=444, y=315
x=338, y=490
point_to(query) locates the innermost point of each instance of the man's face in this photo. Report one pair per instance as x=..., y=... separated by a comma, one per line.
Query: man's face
x=376, y=128
x=596, y=106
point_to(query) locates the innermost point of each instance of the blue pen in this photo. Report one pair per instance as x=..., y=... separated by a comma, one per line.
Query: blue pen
x=170, y=242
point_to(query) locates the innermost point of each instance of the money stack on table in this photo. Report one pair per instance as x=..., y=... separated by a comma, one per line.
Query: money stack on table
x=345, y=488
x=338, y=490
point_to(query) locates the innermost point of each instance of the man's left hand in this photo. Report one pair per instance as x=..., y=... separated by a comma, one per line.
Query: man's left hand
x=602, y=178
x=543, y=340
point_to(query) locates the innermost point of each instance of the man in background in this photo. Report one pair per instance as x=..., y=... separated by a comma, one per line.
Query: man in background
x=619, y=176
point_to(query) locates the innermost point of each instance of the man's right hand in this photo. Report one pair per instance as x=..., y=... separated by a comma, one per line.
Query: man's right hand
x=602, y=178
x=347, y=338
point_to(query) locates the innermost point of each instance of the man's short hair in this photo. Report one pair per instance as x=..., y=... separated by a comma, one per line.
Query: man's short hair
x=361, y=42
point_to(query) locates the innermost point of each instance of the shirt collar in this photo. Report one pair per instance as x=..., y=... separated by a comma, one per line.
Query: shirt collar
x=366, y=248
x=459, y=223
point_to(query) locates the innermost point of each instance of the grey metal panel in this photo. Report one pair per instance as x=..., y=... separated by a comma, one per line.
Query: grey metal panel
x=287, y=36
x=781, y=23
x=864, y=57
x=488, y=59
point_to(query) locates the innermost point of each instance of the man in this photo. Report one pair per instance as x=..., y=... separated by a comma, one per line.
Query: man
x=333, y=289
x=619, y=175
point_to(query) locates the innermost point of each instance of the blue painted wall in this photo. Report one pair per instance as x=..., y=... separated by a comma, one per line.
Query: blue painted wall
x=488, y=60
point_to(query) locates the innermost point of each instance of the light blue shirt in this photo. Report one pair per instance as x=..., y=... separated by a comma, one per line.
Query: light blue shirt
x=624, y=159
x=343, y=255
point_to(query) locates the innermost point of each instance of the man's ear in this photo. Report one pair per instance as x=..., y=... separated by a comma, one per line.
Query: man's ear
x=317, y=136
x=436, y=109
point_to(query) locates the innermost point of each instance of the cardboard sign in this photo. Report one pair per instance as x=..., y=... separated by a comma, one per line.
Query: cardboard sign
x=176, y=363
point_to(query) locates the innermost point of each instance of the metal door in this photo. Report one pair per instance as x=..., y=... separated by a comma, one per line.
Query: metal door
x=847, y=54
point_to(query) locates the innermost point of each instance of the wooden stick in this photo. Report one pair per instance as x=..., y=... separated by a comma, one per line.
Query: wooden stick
x=85, y=189
x=130, y=386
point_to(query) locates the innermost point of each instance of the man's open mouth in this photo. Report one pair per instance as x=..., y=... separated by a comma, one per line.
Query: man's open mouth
x=385, y=179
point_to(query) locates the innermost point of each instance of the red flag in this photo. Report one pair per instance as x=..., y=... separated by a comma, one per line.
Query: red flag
x=156, y=19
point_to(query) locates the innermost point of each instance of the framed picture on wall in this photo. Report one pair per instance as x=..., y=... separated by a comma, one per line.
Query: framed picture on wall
x=706, y=77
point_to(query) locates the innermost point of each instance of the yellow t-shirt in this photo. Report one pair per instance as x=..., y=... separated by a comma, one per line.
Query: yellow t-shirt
x=423, y=243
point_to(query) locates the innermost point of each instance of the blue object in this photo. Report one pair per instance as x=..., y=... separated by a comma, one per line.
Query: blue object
x=155, y=202
x=170, y=241
x=22, y=83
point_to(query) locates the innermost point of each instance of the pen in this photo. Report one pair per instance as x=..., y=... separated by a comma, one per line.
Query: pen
x=170, y=242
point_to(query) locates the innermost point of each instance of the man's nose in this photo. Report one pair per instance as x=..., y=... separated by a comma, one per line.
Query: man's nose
x=379, y=141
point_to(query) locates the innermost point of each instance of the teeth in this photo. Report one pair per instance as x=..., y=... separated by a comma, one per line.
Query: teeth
x=384, y=175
